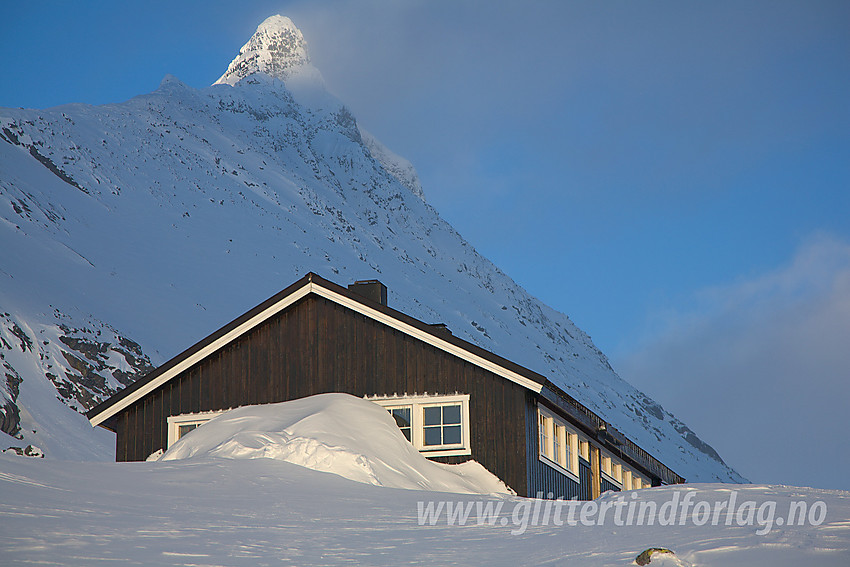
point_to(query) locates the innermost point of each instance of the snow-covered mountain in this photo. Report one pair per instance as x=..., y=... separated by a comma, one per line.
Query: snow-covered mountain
x=130, y=231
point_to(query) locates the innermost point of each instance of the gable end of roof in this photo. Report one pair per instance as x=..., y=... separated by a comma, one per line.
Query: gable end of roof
x=104, y=413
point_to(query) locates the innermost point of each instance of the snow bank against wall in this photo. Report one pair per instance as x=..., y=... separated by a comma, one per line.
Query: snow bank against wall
x=335, y=433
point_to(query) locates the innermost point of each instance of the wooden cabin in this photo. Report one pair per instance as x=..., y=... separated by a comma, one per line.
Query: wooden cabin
x=453, y=400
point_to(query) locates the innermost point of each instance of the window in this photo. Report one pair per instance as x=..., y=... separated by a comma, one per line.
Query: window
x=545, y=427
x=560, y=450
x=436, y=425
x=584, y=448
x=184, y=429
x=606, y=464
x=639, y=482
x=627, y=479
x=441, y=425
x=617, y=472
x=612, y=469
x=402, y=419
x=559, y=443
x=621, y=474
x=180, y=425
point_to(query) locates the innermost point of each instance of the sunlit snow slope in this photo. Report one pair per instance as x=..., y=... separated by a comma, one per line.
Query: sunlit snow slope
x=155, y=221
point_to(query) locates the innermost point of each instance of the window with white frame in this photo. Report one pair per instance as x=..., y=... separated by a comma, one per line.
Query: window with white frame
x=544, y=428
x=606, y=464
x=558, y=443
x=441, y=425
x=436, y=425
x=617, y=472
x=181, y=425
x=621, y=474
x=401, y=414
x=612, y=468
x=584, y=448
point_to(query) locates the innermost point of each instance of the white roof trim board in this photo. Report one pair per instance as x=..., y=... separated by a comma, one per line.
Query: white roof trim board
x=313, y=287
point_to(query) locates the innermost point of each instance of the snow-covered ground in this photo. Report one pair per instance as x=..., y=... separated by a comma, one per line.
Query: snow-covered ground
x=231, y=493
x=269, y=512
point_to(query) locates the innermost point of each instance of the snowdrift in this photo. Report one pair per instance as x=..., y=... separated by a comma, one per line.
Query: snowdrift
x=335, y=433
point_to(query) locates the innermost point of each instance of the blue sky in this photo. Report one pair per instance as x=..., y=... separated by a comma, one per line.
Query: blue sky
x=674, y=176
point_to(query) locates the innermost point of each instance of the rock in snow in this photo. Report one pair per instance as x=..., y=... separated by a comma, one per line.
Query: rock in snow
x=155, y=221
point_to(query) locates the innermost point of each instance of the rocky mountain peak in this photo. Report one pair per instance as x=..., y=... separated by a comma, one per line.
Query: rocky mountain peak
x=276, y=49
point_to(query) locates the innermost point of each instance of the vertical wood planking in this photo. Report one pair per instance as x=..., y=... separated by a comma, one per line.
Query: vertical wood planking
x=133, y=448
x=147, y=418
x=121, y=437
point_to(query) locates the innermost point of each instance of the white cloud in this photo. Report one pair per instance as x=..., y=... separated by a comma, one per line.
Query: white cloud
x=760, y=369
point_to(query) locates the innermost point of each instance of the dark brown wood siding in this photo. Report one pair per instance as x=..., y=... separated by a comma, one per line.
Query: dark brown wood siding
x=317, y=346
